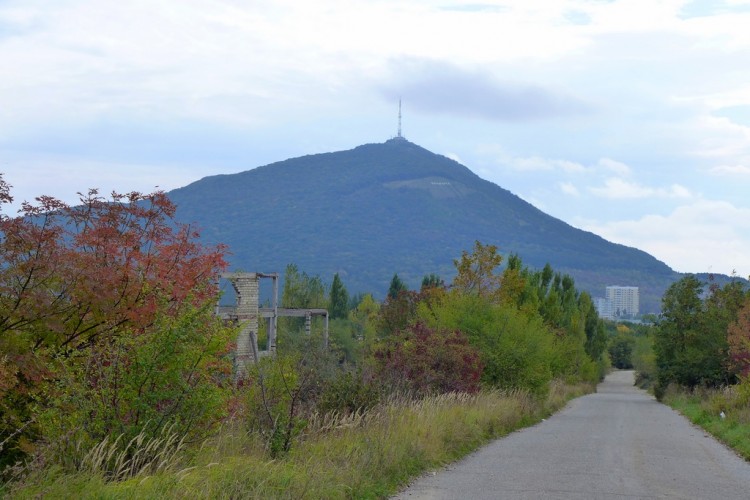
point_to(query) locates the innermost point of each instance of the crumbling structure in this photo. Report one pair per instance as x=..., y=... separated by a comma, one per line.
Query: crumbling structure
x=247, y=312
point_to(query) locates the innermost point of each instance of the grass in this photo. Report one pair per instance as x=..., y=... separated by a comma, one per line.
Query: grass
x=141, y=455
x=704, y=407
x=365, y=455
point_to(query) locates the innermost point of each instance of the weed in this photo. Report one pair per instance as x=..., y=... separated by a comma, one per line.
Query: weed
x=705, y=407
x=361, y=454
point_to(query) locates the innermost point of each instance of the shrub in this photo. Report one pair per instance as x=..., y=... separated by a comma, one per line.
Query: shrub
x=428, y=360
x=176, y=375
x=283, y=391
x=517, y=351
x=644, y=362
x=81, y=289
x=349, y=392
x=621, y=348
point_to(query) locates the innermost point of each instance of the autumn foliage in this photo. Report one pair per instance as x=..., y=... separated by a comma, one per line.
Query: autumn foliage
x=85, y=288
x=429, y=360
x=738, y=338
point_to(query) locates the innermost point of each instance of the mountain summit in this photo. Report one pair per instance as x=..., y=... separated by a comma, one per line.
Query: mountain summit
x=395, y=207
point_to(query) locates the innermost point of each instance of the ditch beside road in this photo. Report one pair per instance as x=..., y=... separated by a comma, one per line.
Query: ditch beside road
x=617, y=443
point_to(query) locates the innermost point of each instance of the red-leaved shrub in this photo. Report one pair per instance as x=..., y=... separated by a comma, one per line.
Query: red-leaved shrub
x=427, y=360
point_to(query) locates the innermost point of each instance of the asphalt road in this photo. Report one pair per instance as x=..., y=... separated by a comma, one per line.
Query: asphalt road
x=619, y=443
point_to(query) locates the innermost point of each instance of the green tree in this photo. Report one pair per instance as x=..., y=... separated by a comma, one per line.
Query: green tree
x=396, y=287
x=366, y=313
x=338, y=302
x=300, y=291
x=477, y=271
x=355, y=299
x=644, y=358
x=691, y=337
x=681, y=310
x=398, y=312
x=621, y=349
x=596, y=334
x=516, y=350
x=546, y=277
x=432, y=281
x=515, y=282
x=364, y=320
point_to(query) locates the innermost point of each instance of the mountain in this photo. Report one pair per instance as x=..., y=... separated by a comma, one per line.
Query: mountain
x=380, y=209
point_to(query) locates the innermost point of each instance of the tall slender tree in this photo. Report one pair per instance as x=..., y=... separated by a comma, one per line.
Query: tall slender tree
x=338, y=300
x=397, y=286
x=432, y=281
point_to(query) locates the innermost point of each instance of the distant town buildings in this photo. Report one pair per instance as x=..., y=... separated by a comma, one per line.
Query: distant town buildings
x=620, y=302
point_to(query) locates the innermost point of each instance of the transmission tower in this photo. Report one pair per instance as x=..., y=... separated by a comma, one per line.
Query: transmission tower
x=399, y=120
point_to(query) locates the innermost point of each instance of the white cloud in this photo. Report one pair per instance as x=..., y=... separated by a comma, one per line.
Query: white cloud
x=538, y=203
x=542, y=164
x=615, y=166
x=616, y=188
x=731, y=170
x=536, y=163
x=441, y=87
x=454, y=157
x=569, y=189
x=718, y=137
x=676, y=191
x=705, y=236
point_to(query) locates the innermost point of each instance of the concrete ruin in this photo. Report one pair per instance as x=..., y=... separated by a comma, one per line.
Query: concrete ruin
x=247, y=312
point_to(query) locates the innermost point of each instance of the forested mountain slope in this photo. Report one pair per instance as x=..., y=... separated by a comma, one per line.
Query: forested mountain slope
x=380, y=209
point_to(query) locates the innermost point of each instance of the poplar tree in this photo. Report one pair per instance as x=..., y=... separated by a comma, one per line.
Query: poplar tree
x=397, y=286
x=338, y=301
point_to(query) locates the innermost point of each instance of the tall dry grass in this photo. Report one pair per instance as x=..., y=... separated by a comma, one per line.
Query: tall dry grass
x=362, y=455
x=142, y=455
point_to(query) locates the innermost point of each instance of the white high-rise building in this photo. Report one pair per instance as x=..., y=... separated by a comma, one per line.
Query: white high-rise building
x=623, y=301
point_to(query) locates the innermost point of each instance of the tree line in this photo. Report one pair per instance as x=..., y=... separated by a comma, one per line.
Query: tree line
x=700, y=340
x=703, y=335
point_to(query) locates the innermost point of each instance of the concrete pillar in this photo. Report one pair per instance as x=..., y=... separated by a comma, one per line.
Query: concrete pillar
x=273, y=321
x=246, y=287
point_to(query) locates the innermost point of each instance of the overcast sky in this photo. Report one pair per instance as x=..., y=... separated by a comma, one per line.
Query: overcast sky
x=627, y=118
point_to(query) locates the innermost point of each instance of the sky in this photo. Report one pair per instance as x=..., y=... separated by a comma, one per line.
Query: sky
x=627, y=118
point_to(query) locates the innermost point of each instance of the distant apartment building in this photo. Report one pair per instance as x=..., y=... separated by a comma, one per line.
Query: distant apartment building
x=620, y=302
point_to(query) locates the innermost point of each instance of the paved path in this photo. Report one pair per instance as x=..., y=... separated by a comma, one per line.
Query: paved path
x=619, y=443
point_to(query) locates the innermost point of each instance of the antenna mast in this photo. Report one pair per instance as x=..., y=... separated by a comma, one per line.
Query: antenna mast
x=399, y=119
